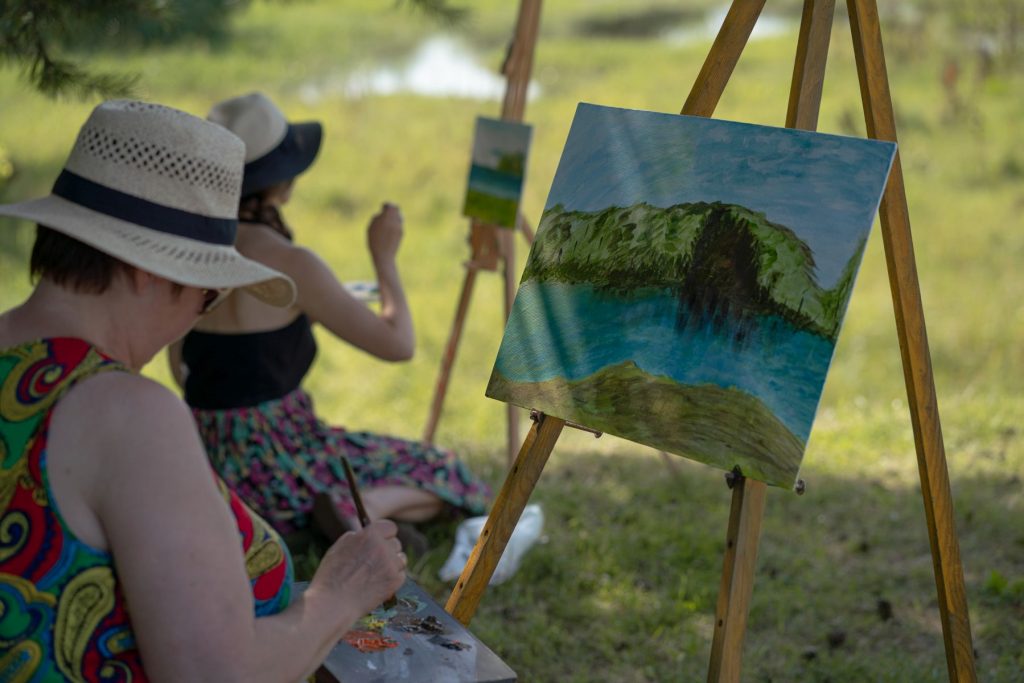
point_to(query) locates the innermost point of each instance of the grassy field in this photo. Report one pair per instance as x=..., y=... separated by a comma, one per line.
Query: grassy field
x=725, y=427
x=490, y=209
x=623, y=589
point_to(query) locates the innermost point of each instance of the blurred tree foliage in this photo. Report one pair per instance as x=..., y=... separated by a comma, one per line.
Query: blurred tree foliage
x=994, y=26
x=39, y=35
x=47, y=39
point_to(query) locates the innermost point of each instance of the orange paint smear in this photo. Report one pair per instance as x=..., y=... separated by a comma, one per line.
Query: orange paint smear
x=369, y=641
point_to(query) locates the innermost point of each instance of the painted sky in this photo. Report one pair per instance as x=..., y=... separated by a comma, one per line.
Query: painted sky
x=826, y=188
x=495, y=137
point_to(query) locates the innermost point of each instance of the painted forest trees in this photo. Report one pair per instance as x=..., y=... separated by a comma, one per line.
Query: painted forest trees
x=715, y=255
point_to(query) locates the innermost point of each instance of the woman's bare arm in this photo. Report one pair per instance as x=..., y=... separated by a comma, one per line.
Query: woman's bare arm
x=388, y=334
x=178, y=552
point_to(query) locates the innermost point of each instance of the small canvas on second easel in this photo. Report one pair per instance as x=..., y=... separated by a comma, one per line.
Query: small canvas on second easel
x=688, y=281
x=496, y=172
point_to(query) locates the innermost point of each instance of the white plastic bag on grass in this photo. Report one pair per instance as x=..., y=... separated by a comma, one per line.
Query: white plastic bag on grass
x=524, y=536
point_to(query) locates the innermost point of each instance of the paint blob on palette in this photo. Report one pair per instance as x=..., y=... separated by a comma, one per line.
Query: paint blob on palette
x=415, y=640
x=688, y=282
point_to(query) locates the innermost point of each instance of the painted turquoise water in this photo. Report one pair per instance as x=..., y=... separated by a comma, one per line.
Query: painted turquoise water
x=495, y=183
x=572, y=331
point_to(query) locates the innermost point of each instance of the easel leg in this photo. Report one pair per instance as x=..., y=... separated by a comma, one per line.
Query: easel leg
x=917, y=368
x=748, y=498
x=508, y=507
x=508, y=250
x=809, y=65
x=722, y=58
x=520, y=62
x=524, y=227
x=449, y=355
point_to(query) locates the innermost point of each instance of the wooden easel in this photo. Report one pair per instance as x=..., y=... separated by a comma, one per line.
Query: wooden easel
x=748, y=496
x=490, y=244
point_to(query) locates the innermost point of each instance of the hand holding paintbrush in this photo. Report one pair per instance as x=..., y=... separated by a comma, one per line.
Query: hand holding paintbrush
x=364, y=519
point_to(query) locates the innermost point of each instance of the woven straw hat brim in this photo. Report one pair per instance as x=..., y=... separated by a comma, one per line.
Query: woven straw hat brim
x=179, y=259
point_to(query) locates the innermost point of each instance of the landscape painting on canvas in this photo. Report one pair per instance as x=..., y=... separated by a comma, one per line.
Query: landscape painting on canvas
x=688, y=281
x=496, y=171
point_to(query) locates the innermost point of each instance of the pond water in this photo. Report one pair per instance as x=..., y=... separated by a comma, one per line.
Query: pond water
x=572, y=331
x=442, y=66
x=768, y=26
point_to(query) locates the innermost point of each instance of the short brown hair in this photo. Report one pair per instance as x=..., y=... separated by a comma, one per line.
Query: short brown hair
x=72, y=264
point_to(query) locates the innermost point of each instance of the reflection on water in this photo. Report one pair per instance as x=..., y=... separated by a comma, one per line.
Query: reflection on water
x=573, y=331
x=440, y=67
x=768, y=26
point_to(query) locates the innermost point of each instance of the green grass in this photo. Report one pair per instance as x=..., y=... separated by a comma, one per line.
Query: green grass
x=490, y=209
x=623, y=588
x=727, y=428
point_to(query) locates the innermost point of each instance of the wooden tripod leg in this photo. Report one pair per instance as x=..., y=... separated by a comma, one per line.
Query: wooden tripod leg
x=524, y=227
x=748, y=498
x=722, y=57
x=508, y=507
x=519, y=64
x=809, y=65
x=913, y=339
x=508, y=251
x=449, y=355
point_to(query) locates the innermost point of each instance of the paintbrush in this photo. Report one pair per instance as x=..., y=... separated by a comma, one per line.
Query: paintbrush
x=364, y=519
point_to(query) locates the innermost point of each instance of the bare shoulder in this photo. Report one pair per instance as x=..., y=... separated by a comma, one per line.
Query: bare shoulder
x=118, y=412
x=296, y=261
x=263, y=244
x=125, y=394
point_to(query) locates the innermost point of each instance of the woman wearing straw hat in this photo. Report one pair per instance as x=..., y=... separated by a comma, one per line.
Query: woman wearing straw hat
x=243, y=364
x=122, y=556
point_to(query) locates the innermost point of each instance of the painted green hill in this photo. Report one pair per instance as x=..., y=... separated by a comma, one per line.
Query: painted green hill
x=723, y=260
x=721, y=427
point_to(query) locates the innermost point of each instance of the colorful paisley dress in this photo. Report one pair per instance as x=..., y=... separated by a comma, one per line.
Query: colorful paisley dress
x=63, y=616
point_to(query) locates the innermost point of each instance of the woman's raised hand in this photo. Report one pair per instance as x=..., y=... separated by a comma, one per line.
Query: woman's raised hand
x=385, y=232
x=363, y=568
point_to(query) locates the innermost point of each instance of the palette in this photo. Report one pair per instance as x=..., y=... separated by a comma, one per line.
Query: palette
x=416, y=640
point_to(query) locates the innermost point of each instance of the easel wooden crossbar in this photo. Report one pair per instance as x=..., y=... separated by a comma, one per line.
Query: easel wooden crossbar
x=748, y=496
x=490, y=244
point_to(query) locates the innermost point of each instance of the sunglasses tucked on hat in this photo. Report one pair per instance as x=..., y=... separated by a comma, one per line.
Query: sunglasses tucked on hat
x=158, y=189
x=275, y=150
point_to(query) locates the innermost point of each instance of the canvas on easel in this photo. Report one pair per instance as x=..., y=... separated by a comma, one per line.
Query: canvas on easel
x=748, y=495
x=491, y=246
x=687, y=284
x=496, y=171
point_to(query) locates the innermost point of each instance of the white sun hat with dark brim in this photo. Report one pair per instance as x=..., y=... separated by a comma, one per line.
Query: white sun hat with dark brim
x=157, y=188
x=275, y=149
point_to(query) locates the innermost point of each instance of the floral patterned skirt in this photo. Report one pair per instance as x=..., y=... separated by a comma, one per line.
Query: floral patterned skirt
x=278, y=455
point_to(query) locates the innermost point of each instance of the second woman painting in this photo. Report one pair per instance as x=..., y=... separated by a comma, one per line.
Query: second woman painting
x=242, y=366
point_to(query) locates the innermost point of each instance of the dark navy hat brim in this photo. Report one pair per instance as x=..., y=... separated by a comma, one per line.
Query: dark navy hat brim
x=295, y=153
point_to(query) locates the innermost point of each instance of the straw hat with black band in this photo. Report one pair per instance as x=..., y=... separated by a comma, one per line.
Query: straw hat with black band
x=157, y=188
x=275, y=150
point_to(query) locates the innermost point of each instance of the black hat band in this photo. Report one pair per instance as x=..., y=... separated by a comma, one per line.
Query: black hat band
x=126, y=207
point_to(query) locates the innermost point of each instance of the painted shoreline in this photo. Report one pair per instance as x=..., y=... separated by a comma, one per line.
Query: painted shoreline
x=725, y=427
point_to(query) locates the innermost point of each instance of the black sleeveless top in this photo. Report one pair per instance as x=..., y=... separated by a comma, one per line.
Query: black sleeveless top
x=242, y=370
